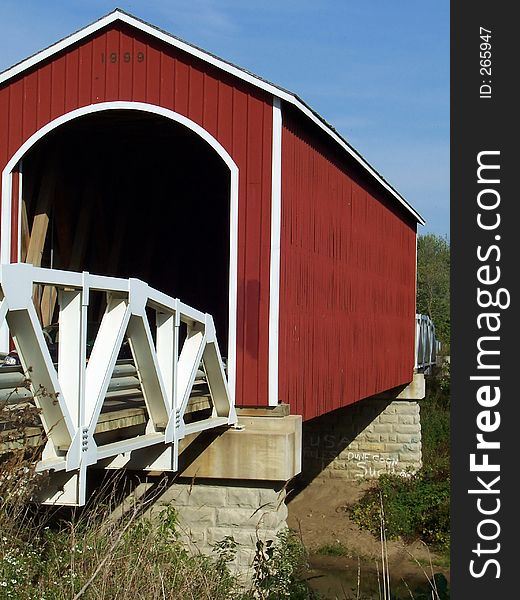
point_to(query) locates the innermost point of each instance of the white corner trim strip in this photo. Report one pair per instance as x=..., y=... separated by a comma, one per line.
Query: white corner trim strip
x=274, y=267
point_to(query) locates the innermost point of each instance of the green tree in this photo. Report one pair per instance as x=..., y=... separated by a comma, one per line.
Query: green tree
x=433, y=283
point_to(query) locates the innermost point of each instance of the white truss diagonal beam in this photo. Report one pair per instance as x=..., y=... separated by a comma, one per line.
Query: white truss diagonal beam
x=217, y=381
x=189, y=361
x=143, y=351
x=104, y=356
x=34, y=354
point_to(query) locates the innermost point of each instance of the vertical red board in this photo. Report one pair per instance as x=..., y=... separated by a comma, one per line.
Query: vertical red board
x=196, y=95
x=100, y=60
x=265, y=249
x=43, y=112
x=127, y=58
x=239, y=151
x=72, y=81
x=4, y=124
x=58, y=87
x=85, y=74
x=253, y=233
x=113, y=62
x=225, y=116
x=30, y=93
x=153, y=75
x=16, y=96
x=210, y=106
x=182, y=87
x=167, y=90
x=139, y=71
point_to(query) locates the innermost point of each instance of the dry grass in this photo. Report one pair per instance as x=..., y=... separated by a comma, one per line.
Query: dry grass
x=101, y=552
x=54, y=554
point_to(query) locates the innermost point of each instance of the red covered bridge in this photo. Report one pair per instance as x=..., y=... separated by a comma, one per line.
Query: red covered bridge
x=127, y=152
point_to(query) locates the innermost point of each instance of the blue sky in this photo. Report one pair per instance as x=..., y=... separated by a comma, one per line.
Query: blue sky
x=377, y=71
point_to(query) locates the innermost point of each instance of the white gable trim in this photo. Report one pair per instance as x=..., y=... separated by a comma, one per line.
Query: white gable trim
x=118, y=15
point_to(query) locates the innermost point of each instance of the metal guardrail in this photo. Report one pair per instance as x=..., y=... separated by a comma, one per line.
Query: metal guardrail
x=426, y=344
x=70, y=396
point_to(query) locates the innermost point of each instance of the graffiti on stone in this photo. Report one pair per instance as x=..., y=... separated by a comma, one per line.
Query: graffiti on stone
x=341, y=453
x=371, y=465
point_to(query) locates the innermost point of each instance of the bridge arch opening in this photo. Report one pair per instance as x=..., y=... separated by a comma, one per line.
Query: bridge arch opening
x=132, y=193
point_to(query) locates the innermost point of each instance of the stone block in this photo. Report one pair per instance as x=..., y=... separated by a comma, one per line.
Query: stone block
x=177, y=494
x=347, y=474
x=391, y=418
x=207, y=495
x=243, y=537
x=383, y=428
x=339, y=465
x=407, y=408
x=196, y=516
x=272, y=497
x=410, y=457
x=243, y=497
x=407, y=419
x=191, y=535
x=240, y=518
x=370, y=447
x=245, y=557
x=237, y=517
x=407, y=429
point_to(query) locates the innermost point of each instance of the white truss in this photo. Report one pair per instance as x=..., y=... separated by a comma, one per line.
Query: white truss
x=71, y=395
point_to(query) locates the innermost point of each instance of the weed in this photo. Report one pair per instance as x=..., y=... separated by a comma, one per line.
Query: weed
x=277, y=567
x=418, y=506
x=336, y=549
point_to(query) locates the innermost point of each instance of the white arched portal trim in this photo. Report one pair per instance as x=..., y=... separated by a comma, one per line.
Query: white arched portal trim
x=7, y=188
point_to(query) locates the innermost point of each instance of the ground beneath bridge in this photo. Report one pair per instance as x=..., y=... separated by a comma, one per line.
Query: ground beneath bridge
x=335, y=543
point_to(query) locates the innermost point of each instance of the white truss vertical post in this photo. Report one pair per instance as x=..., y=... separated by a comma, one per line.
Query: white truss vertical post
x=71, y=365
x=167, y=356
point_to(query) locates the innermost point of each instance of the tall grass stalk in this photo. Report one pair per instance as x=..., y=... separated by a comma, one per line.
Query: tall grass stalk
x=384, y=551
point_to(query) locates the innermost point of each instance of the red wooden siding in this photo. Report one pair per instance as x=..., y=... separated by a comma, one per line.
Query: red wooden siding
x=121, y=63
x=347, y=289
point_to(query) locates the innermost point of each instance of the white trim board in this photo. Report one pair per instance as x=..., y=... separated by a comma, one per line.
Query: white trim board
x=274, y=266
x=119, y=15
x=7, y=183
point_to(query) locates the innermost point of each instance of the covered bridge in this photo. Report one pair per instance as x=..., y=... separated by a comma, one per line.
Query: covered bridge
x=127, y=152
